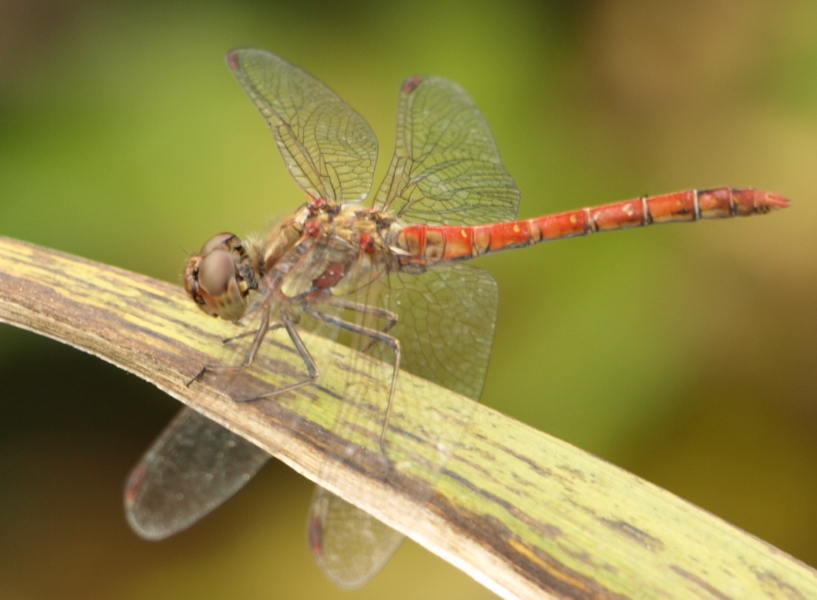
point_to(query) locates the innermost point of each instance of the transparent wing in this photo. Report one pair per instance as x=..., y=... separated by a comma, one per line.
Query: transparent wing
x=348, y=544
x=446, y=166
x=445, y=323
x=193, y=467
x=328, y=148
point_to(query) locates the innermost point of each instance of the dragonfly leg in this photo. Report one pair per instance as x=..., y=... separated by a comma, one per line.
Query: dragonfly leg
x=376, y=335
x=287, y=323
x=233, y=338
x=277, y=325
x=248, y=360
x=389, y=316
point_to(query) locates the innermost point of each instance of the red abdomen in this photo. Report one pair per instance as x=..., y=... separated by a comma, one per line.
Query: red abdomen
x=430, y=244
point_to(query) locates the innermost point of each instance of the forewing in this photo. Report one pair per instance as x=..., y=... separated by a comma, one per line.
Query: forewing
x=446, y=166
x=194, y=466
x=328, y=148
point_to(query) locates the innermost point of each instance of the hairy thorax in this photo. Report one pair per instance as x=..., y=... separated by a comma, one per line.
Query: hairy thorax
x=326, y=249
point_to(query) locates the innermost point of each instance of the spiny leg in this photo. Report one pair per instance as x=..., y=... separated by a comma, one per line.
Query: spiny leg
x=290, y=325
x=248, y=360
x=277, y=325
x=376, y=335
x=381, y=313
x=312, y=370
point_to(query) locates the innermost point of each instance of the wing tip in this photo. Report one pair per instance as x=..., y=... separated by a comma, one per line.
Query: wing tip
x=411, y=83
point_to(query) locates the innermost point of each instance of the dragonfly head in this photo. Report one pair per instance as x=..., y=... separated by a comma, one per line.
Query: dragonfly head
x=218, y=278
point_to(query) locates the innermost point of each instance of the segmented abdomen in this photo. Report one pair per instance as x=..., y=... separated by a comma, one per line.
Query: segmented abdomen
x=428, y=244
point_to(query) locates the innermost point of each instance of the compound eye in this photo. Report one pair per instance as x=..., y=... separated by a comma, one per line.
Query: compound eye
x=220, y=286
x=215, y=284
x=220, y=241
x=216, y=273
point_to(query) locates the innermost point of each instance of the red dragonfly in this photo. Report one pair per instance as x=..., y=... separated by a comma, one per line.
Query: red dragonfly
x=391, y=276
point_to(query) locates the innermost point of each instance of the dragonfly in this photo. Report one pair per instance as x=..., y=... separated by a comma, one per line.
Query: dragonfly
x=389, y=276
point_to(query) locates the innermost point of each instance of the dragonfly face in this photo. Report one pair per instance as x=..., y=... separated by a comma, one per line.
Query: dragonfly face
x=219, y=279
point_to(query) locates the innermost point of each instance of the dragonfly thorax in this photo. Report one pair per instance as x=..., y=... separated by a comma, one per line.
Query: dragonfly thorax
x=340, y=250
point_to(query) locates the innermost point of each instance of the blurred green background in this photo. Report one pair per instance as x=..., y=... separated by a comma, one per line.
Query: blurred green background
x=683, y=354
